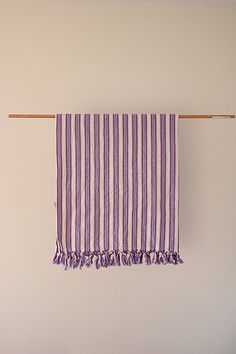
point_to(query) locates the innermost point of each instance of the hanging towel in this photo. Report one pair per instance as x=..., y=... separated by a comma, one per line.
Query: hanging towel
x=117, y=189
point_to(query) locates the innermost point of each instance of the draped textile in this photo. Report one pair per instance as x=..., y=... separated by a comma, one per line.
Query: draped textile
x=117, y=189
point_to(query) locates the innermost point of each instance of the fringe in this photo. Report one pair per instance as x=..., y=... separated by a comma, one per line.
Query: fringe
x=104, y=259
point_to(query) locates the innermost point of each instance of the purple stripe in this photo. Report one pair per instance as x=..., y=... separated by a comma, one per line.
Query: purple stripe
x=153, y=182
x=163, y=181
x=59, y=177
x=125, y=181
x=106, y=180
x=172, y=183
x=87, y=181
x=68, y=182
x=144, y=182
x=115, y=181
x=77, y=183
x=177, y=231
x=96, y=182
x=134, y=180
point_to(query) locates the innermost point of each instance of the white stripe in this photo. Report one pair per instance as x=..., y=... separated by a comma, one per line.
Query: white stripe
x=72, y=182
x=148, y=182
x=120, y=230
x=167, y=181
x=63, y=141
x=82, y=183
x=158, y=177
x=130, y=189
x=139, y=177
x=111, y=194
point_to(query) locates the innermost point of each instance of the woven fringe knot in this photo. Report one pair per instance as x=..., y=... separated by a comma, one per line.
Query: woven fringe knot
x=104, y=259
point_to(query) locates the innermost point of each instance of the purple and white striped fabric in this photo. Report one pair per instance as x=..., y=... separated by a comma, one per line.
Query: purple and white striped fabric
x=117, y=189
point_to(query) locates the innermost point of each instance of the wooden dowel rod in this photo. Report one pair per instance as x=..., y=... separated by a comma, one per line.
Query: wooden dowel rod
x=202, y=116
x=181, y=116
x=31, y=116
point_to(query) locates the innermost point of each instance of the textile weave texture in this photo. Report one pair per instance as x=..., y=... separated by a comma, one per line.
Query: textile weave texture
x=117, y=189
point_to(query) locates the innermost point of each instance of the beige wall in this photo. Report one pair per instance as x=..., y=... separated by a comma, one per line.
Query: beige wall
x=97, y=57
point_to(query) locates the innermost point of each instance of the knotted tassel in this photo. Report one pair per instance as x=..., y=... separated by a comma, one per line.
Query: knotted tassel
x=137, y=257
x=125, y=258
x=117, y=258
x=89, y=260
x=76, y=261
x=161, y=258
x=63, y=259
x=179, y=259
x=112, y=259
x=132, y=257
x=154, y=257
x=147, y=258
x=67, y=263
x=171, y=258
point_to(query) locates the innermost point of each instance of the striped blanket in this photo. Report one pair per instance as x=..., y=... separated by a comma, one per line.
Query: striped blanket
x=117, y=189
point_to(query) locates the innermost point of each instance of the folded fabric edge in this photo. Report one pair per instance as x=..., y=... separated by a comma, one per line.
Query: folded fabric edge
x=106, y=259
